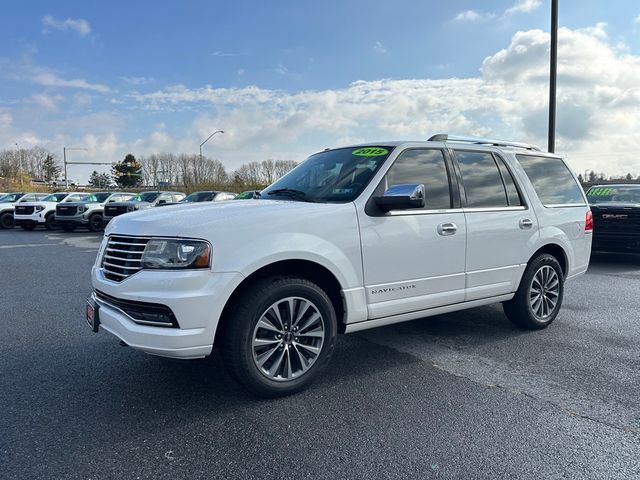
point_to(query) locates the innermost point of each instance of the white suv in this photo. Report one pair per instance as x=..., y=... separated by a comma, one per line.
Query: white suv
x=353, y=238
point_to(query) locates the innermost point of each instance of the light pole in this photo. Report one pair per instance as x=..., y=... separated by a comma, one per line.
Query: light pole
x=553, y=77
x=20, y=167
x=208, y=138
x=64, y=156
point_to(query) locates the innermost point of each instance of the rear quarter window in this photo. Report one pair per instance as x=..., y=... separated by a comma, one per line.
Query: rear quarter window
x=552, y=180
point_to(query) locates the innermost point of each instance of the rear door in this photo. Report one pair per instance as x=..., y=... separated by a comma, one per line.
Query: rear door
x=499, y=224
x=410, y=261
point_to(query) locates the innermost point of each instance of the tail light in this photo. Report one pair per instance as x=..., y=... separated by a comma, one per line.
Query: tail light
x=588, y=222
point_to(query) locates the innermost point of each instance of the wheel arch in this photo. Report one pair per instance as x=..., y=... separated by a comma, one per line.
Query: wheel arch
x=556, y=251
x=308, y=269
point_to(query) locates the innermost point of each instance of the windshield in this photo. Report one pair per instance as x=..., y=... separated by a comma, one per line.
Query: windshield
x=55, y=197
x=146, y=197
x=246, y=195
x=9, y=197
x=78, y=197
x=200, y=197
x=99, y=197
x=630, y=194
x=332, y=176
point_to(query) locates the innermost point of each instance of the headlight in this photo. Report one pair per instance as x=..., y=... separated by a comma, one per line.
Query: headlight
x=175, y=254
x=81, y=209
x=39, y=208
x=131, y=208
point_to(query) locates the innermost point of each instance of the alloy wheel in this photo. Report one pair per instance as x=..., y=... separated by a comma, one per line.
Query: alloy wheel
x=288, y=339
x=544, y=292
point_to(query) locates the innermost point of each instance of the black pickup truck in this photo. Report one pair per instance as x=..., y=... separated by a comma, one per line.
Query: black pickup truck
x=616, y=217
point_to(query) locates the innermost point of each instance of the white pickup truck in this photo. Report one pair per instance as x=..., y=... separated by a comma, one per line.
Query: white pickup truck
x=352, y=238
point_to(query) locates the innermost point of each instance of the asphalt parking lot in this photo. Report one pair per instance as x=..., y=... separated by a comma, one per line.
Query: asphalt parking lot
x=463, y=395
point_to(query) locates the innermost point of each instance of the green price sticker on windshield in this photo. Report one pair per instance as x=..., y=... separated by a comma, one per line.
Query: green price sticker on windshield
x=599, y=192
x=370, y=152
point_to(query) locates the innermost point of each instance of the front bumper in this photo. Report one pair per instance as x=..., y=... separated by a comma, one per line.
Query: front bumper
x=197, y=299
x=75, y=220
x=33, y=219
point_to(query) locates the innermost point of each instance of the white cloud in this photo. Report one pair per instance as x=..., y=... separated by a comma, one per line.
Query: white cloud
x=138, y=80
x=224, y=54
x=523, y=6
x=280, y=69
x=637, y=19
x=46, y=101
x=378, y=47
x=78, y=25
x=5, y=119
x=473, y=16
x=50, y=79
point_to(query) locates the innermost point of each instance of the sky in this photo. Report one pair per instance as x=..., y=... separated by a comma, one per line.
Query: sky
x=289, y=78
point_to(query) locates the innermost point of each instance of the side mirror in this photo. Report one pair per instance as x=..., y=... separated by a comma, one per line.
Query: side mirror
x=401, y=197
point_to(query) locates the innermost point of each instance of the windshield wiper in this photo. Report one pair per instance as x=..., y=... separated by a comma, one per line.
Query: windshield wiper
x=291, y=192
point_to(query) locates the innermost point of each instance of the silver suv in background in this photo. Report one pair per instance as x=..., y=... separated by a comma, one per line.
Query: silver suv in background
x=88, y=211
x=8, y=202
x=141, y=201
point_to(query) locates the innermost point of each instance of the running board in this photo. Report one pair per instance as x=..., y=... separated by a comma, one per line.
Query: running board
x=405, y=317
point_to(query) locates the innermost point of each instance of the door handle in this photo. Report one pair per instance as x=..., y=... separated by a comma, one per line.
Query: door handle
x=526, y=223
x=445, y=229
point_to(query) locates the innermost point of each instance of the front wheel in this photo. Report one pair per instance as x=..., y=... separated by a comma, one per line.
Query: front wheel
x=279, y=334
x=539, y=297
x=95, y=222
x=50, y=222
x=6, y=220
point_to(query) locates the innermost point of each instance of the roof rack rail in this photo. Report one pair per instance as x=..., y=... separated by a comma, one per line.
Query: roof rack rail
x=443, y=137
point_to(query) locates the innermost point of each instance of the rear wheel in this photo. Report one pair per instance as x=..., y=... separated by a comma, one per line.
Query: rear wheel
x=50, y=222
x=95, y=222
x=6, y=220
x=279, y=335
x=539, y=297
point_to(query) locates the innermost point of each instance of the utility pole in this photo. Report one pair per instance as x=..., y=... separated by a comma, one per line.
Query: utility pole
x=553, y=78
x=20, y=167
x=64, y=156
x=217, y=131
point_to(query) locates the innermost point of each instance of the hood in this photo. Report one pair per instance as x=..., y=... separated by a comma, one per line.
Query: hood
x=78, y=204
x=130, y=202
x=36, y=203
x=201, y=220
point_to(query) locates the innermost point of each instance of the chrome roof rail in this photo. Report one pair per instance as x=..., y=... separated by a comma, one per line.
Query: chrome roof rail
x=443, y=137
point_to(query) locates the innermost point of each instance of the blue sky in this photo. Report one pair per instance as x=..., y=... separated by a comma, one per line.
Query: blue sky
x=284, y=79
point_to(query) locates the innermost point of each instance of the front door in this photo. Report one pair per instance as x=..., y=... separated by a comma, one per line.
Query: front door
x=414, y=259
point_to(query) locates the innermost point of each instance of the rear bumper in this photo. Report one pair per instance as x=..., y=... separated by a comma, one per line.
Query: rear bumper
x=616, y=243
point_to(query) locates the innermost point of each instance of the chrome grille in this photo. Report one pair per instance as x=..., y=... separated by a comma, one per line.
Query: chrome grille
x=122, y=257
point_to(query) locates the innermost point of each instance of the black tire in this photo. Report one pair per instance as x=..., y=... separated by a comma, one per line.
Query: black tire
x=68, y=228
x=28, y=227
x=521, y=309
x=95, y=223
x=6, y=220
x=50, y=222
x=241, y=322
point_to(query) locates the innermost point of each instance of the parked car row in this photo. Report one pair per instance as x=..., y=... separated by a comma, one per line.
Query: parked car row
x=70, y=210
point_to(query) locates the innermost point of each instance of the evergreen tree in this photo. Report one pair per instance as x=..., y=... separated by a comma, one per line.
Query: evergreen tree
x=127, y=173
x=50, y=169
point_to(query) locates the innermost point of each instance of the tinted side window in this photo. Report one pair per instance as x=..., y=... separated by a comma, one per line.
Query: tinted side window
x=552, y=180
x=423, y=166
x=512, y=191
x=481, y=179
